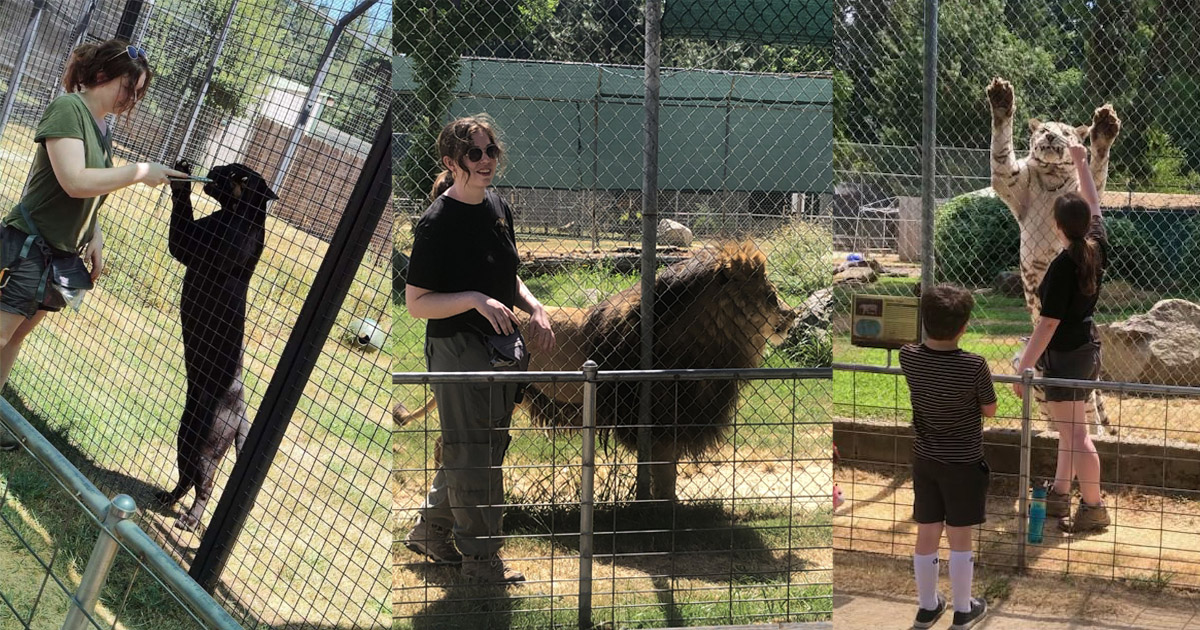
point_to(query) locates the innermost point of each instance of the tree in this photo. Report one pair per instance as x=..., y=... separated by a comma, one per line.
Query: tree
x=433, y=34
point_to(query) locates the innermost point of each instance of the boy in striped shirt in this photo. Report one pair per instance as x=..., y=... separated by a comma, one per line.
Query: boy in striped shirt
x=951, y=390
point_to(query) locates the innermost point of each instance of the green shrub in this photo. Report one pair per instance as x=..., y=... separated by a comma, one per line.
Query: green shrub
x=975, y=237
x=798, y=257
x=1132, y=255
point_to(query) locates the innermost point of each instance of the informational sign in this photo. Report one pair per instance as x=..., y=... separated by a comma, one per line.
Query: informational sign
x=885, y=321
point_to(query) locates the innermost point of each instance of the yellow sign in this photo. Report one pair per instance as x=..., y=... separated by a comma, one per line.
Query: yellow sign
x=885, y=321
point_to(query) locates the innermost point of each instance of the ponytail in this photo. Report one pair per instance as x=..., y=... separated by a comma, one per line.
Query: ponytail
x=1085, y=253
x=444, y=181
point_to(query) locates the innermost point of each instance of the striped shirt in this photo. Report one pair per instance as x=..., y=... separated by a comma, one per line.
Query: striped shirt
x=947, y=389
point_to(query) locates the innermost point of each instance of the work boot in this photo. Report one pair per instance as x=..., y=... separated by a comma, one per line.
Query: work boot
x=490, y=569
x=1057, y=505
x=434, y=542
x=1088, y=518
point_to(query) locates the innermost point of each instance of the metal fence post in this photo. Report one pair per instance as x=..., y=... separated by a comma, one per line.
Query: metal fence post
x=1026, y=457
x=649, y=233
x=587, y=492
x=208, y=77
x=314, y=91
x=928, y=140
x=14, y=83
x=83, y=604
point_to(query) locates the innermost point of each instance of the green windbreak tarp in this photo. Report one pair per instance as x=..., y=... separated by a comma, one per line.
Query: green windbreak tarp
x=578, y=126
x=788, y=22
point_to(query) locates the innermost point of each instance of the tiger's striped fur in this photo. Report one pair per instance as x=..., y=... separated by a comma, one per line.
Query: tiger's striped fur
x=1030, y=185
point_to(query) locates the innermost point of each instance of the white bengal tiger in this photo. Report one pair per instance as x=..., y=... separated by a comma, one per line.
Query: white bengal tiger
x=1029, y=187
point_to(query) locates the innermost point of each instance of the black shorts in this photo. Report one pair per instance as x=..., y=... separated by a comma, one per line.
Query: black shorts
x=19, y=294
x=952, y=493
x=1081, y=363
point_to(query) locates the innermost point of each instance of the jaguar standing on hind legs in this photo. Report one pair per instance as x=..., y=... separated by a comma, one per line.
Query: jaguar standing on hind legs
x=1029, y=187
x=220, y=252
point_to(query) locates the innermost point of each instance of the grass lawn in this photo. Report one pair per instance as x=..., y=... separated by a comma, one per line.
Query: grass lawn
x=110, y=379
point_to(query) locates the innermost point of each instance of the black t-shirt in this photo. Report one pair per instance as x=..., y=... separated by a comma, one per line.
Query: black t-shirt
x=1063, y=300
x=948, y=389
x=465, y=247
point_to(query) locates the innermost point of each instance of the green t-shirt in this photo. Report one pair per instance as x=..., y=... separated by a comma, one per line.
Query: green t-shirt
x=65, y=222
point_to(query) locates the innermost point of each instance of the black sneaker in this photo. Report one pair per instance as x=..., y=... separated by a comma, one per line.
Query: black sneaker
x=963, y=621
x=927, y=617
x=8, y=442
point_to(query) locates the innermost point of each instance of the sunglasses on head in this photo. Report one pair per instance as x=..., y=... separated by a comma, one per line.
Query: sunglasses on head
x=475, y=153
x=134, y=52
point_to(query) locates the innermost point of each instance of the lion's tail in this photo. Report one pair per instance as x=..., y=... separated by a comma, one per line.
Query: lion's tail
x=402, y=416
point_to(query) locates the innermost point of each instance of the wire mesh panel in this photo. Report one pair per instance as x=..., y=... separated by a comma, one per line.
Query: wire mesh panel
x=210, y=284
x=1148, y=480
x=740, y=235
x=1058, y=62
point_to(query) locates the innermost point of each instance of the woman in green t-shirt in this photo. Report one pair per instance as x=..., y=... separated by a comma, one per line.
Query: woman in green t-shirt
x=71, y=174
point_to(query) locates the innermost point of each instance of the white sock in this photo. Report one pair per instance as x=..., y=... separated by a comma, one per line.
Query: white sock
x=926, y=569
x=962, y=570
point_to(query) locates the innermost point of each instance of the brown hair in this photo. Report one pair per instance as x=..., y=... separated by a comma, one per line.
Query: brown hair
x=945, y=309
x=93, y=64
x=455, y=140
x=1074, y=218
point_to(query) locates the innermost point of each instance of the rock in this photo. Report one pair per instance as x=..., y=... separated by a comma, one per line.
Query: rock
x=1008, y=284
x=856, y=275
x=816, y=310
x=674, y=233
x=1157, y=347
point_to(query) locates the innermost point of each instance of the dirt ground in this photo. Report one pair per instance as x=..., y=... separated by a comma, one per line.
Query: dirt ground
x=1154, y=539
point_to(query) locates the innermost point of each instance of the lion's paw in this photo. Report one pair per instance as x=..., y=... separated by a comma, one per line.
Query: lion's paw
x=1105, y=124
x=1000, y=95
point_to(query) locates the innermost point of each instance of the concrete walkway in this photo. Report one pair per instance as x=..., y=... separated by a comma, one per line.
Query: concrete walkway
x=869, y=611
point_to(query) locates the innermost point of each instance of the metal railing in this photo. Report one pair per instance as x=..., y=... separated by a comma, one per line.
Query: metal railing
x=1128, y=553
x=118, y=532
x=592, y=379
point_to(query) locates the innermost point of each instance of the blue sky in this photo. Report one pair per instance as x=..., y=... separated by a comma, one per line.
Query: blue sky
x=380, y=12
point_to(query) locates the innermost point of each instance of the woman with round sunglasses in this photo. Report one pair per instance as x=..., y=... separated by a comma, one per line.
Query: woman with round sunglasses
x=71, y=174
x=462, y=278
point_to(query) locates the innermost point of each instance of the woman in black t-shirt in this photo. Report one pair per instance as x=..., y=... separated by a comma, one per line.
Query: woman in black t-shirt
x=462, y=278
x=1065, y=344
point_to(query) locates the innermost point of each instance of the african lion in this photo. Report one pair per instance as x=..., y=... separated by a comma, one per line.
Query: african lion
x=1029, y=187
x=715, y=310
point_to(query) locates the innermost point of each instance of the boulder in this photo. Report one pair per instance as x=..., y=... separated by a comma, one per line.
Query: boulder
x=856, y=275
x=1008, y=284
x=1156, y=347
x=674, y=233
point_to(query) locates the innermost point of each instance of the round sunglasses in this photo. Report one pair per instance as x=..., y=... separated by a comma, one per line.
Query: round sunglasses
x=475, y=154
x=134, y=52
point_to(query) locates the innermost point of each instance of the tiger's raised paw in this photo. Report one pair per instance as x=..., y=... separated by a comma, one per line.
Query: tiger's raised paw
x=1000, y=95
x=1105, y=124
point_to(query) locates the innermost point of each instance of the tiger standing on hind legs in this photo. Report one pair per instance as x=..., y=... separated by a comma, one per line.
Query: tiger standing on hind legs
x=1063, y=293
x=1029, y=187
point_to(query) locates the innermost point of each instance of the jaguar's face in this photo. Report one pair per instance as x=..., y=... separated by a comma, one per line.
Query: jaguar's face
x=236, y=184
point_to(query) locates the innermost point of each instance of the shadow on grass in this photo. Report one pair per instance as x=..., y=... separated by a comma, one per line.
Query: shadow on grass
x=138, y=599
x=695, y=541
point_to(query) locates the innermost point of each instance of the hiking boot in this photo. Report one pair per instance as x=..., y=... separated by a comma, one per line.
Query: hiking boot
x=965, y=620
x=490, y=569
x=8, y=441
x=926, y=617
x=1088, y=518
x=1057, y=505
x=434, y=542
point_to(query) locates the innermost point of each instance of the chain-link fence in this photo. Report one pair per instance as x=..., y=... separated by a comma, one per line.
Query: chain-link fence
x=738, y=149
x=296, y=532
x=1059, y=61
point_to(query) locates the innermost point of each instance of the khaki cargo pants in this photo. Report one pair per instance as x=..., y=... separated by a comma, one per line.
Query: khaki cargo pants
x=467, y=493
